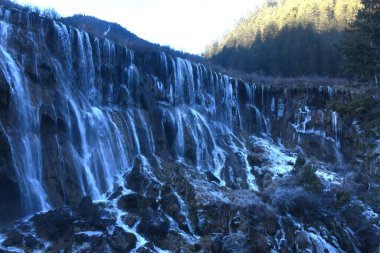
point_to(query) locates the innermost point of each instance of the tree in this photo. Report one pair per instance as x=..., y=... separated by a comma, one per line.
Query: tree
x=288, y=38
x=51, y=13
x=362, y=47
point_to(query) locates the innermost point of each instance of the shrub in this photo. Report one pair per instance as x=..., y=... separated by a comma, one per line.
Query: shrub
x=296, y=201
x=50, y=13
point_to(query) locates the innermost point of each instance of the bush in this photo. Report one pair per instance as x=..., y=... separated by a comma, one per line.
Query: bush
x=297, y=202
x=50, y=13
x=357, y=107
x=299, y=163
x=306, y=177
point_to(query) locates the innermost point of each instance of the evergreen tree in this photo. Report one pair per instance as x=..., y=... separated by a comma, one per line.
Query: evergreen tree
x=288, y=38
x=362, y=47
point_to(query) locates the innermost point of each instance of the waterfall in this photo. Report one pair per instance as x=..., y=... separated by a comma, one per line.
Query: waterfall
x=111, y=104
x=335, y=128
x=24, y=136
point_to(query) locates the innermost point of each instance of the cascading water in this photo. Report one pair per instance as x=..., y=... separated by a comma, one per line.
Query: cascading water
x=103, y=140
x=334, y=116
x=87, y=117
x=335, y=128
x=24, y=138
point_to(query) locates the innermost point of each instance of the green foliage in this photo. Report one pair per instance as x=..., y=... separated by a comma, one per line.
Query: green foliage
x=299, y=162
x=362, y=46
x=310, y=180
x=357, y=107
x=287, y=38
x=306, y=176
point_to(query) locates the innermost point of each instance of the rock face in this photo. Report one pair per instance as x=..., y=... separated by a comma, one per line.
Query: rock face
x=178, y=157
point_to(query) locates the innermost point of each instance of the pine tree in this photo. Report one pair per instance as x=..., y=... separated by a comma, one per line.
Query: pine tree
x=362, y=47
x=297, y=37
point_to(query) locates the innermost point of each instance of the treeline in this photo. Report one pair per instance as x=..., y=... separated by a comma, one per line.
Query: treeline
x=291, y=52
x=361, y=48
x=288, y=38
x=47, y=12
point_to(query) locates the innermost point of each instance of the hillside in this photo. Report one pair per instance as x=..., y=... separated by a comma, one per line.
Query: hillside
x=120, y=35
x=287, y=38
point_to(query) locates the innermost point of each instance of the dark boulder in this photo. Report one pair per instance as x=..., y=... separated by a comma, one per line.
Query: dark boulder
x=212, y=178
x=169, y=203
x=86, y=208
x=54, y=224
x=141, y=178
x=147, y=248
x=217, y=244
x=122, y=241
x=31, y=243
x=14, y=239
x=134, y=202
x=153, y=223
x=10, y=207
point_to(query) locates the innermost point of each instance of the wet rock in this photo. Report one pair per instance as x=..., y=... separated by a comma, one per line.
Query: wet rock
x=9, y=188
x=135, y=201
x=217, y=244
x=302, y=240
x=60, y=177
x=147, y=248
x=169, y=203
x=10, y=195
x=47, y=120
x=116, y=193
x=255, y=160
x=14, y=239
x=141, y=178
x=267, y=180
x=6, y=251
x=130, y=220
x=153, y=223
x=196, y=247
x=235, y=242
x=122, y=241
x=124, y=97
x=4, y=92
x=92, y=237
x=86, y=208
x=54, y=224
x=31, y=243
x=212, y=178
x=259, y=243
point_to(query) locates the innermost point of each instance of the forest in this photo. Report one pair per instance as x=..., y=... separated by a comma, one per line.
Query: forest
x=303, y=38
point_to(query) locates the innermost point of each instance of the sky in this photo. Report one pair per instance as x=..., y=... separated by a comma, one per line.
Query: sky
x=187, y=25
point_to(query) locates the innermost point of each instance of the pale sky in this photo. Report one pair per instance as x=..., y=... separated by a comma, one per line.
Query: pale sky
x=187, y=25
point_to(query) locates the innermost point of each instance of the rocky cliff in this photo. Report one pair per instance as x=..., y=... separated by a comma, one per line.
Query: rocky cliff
x=108, y=150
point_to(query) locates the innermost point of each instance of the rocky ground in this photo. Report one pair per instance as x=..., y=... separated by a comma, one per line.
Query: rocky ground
x=161, y=206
